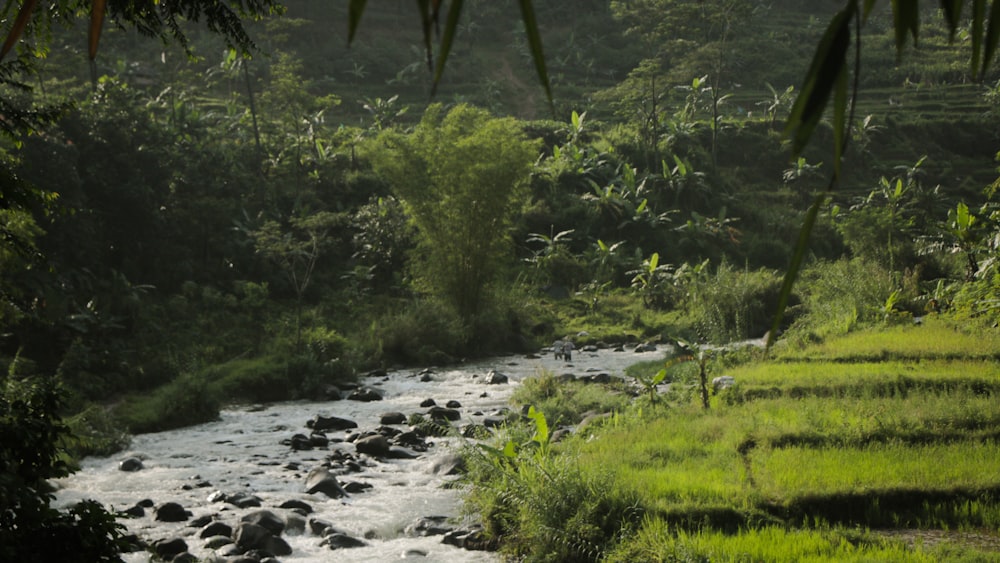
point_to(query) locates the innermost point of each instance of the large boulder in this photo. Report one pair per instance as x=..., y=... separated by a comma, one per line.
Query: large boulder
x=392, y=418
x=320, y=480
x=249, y=537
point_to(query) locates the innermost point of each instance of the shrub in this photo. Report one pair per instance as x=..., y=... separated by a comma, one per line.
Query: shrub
x=732, y=304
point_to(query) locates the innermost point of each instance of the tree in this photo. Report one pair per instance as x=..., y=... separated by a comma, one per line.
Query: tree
x=460, y=176
x=296, y=251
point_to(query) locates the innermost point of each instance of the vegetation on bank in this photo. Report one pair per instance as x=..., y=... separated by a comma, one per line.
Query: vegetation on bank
x=799, y=459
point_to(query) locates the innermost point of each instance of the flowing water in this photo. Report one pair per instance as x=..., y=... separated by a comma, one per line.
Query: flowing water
x=242, y=453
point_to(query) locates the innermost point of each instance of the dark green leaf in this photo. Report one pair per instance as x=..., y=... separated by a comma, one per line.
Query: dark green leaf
x=869, y=4
x=978, y=18
x=992, y=36
x=798, y=255
x=840, y=125
x=535, y=43
x=906, y=20
x=829, y=59
x=454, y=11
x=427, y=21
x=952, y=10
x=354, y=12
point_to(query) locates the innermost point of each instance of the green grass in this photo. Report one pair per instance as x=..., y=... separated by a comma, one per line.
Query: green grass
x=886, y=429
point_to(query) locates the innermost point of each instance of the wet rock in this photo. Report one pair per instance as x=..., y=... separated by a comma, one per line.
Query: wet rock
x=332, y=393
x=392, y=418
x=494, y=421
x=134, y=512
x=320, y=480
x=215, y=542
x=297, y=505
x=146, y=503
x=130, y=464
x=448, y=464
x=323, y=423
x=375, y=445
x=244, y=500
x=339, y=540
x=365, y=395
x=318, y=440
x=295, y=524
x=251, y=536
x=201, y=521
x=589, y=348
x=172, y=512
x=413, y=554
x=453, y=404
x=356, y=487
x=184, y=557
x=496, y=378
x=429, y=526
x=645, y=347
x=267, y=520
x=468, y=539
x=427, y=403
x=166, y=549
x=216, y=529
x=399, y=452
x=596, y=378
x=320, y=527
x=426, y=377
x=217, y=496
x=475, y=431
x=444, y=413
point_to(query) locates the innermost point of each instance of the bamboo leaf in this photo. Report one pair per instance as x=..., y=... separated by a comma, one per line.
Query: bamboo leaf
x=952, y=10
x=427, y=22
x=978, y=19
x=869, y=4
x=450, y=28
x=992, y=37
x=354, y=11
x=654, y=261
x=906, y=20
x=798, y=255
x=830, y=57
x=535, y=43
x=20, y=23
x=840, y=125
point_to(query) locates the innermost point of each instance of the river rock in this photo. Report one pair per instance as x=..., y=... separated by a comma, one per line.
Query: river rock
x=321, y=423
x=496, y=378
x=468, y=539
x=356, y=487
x=448, y=464
x=365, y=395
x=375, y=445
x=427, y=403
x=429, y=526
x=267, y=520
x=297, y=505
x=250, y=536
x=453, y=404
x=201, y=521
x=185, y=557
x=216, y=528
x=444, y=413
x=392, y=418
x=135, y=511
x=215, y=542
x=338, y=540
x=399, y=452
x=172, y=512
x=130, y=464
x=320, y=480
x=168, y=548
x=596, y=378
x=295, y=524
x=244, y=500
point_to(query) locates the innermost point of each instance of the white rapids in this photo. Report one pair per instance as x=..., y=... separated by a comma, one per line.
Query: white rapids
x=242, y=453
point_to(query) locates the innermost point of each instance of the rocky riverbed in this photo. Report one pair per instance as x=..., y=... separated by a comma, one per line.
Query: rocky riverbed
x=357, y=479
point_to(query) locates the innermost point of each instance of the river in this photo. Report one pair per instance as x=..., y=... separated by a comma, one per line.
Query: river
x=242, y=452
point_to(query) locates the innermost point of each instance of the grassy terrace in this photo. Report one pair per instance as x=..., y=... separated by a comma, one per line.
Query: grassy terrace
x=820, y=454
